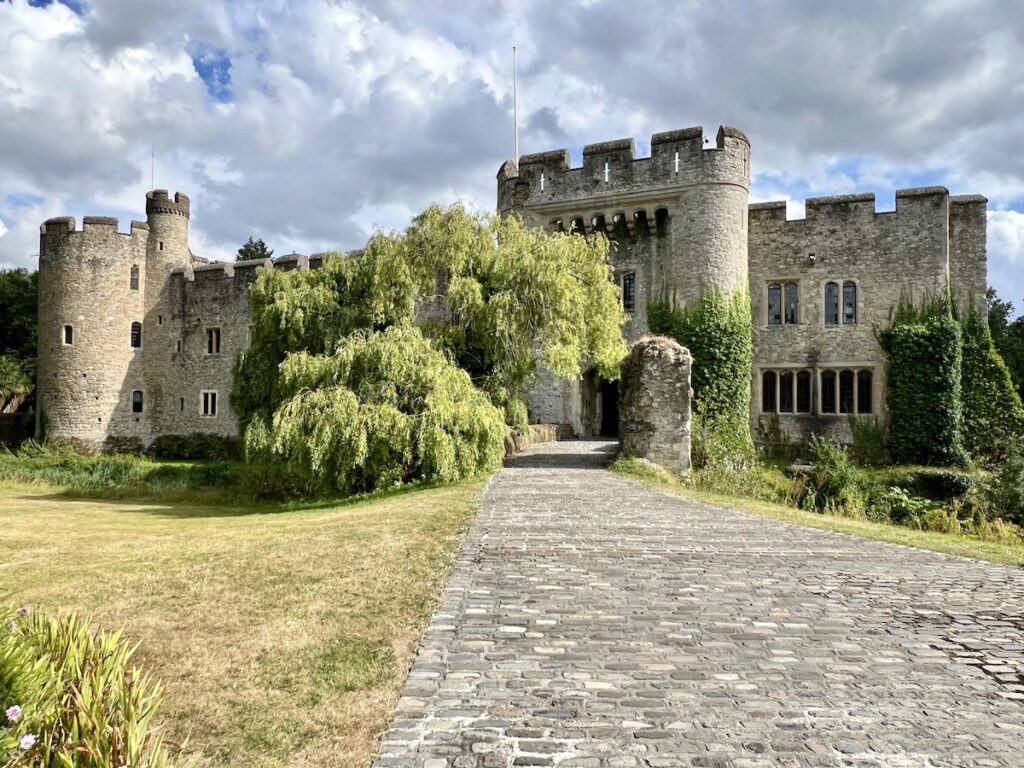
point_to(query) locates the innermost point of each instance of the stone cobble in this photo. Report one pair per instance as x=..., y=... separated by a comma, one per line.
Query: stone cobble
x=591, y=622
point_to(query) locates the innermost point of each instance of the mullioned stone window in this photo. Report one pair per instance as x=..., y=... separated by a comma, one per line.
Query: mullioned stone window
x=627, y=284
x=133, y=278
x=848, y=308
x=783, y=303
x=786, y=391
x=847, y=391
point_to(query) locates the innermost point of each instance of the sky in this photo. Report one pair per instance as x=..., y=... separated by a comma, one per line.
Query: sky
x=310, y=123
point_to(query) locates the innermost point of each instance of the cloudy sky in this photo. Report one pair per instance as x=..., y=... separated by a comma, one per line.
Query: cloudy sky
x=311, y=122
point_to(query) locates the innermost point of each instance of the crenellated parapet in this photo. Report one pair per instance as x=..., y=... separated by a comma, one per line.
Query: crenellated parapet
x=160, y=201
x=678, y=159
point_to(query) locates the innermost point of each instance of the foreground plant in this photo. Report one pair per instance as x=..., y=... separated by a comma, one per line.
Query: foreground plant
x=71, y=697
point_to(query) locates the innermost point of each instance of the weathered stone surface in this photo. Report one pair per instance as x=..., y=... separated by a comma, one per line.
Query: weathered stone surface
x=654, y=414
x=591, y=621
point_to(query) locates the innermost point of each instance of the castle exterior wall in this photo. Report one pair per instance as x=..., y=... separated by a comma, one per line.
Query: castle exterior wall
x=84, y=387
x=678, y=223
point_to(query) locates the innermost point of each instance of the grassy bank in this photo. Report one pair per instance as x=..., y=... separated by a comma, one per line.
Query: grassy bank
x=281, y=638
x=1005, y=552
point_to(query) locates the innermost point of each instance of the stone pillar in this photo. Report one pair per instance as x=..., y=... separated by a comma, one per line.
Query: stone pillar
x=654, y=411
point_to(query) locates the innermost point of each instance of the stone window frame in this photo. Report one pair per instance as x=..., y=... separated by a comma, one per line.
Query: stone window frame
x=841, y=283
x=133, y=278
x=782, y=284
x=68, y=335
x=795, y=370
x=620, y=281
x=856, y=370
x=136, y=335
x=138, y=403
x=208, y=403
x=214, y=340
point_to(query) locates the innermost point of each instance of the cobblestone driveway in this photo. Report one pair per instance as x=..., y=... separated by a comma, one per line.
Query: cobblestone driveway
x=593, y=622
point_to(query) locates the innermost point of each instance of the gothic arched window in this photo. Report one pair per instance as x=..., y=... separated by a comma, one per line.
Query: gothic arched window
x=133, y=279
x=831, y=303
x=136, y=334
x=849, y=302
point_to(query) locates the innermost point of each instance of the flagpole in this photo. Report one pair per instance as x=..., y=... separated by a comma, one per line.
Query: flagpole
x=515, y=107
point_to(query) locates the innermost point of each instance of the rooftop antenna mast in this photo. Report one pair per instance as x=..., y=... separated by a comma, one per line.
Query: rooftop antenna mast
x=515, y=108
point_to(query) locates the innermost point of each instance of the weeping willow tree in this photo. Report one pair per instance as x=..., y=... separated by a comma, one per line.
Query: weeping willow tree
x=488, y=294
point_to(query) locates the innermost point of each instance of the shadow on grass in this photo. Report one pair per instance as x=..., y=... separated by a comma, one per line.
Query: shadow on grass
x=219, y=503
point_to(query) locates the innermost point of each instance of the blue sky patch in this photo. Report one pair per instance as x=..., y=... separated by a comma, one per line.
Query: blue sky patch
x=213, y=65
x=75, y=5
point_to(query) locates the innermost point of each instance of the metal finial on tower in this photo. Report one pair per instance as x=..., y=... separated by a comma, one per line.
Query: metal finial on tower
x=515, y=108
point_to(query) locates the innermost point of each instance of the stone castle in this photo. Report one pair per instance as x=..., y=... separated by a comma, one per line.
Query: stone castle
x=138, y=337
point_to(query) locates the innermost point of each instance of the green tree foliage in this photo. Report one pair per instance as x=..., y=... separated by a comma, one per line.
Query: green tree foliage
x=1008, y=336
x=384, y=408
x=19, y=290
x=254, y=249
x=993, y=415
x=718, y=332
x=15, y=380
x=925, y=401
x=492, y=293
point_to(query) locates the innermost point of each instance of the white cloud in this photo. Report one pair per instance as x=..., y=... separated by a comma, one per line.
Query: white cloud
x=343, y=115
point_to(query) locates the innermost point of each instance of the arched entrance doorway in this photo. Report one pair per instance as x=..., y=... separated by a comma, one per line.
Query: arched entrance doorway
x=608, y=395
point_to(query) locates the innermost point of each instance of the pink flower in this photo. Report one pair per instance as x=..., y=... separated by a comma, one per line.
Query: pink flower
x=27, y=742
x=23, y=611
x=13, y=713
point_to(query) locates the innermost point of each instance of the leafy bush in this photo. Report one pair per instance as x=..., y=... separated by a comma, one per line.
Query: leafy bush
x=197, y=446
x=718, y=333
x=868, y=449
x=993, y=414
x=925, y=359
x=1000, y=495
x=385, y=408
x=75, y=698
x=833, y=481
x=775, y=441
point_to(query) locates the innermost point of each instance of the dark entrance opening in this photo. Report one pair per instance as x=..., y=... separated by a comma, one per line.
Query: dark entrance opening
x=609, y=394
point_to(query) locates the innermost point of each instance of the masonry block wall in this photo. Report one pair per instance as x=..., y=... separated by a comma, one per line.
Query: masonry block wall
x=820, y=286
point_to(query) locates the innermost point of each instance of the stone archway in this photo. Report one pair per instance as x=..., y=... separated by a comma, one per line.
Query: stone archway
x=654, y=412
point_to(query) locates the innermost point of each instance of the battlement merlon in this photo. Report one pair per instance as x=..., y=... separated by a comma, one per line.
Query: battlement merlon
x=678, y=159
x=160, y=201
x=62, y=226
x=908, y=202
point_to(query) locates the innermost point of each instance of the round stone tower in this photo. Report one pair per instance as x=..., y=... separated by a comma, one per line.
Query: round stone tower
x=166, y=250
x=90, y=293
x=708, y=223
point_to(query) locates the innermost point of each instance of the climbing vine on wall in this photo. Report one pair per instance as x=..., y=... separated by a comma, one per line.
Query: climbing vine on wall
x=993, y=415
x=923, y=343
x=718, y=332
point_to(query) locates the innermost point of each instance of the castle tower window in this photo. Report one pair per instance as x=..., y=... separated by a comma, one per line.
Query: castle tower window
x=677, y=163
x=69, y=335
x=159, y=319
x=627, y=281
x=849, y=303
x=542, y=182
x=786, y=384
x=828, y=392
x=792, y=304
x=137, y=401
x=607, y=173
x=213, y=341
x=768, y=392
x=831, y=303
x=864, y=391
x=178, y=347
x=846, y=386
x=160, y=245
x=774, y=304
x=133, y=278
x=136, y=334
x=803, y=392
x=208, y=403
x=661, y=221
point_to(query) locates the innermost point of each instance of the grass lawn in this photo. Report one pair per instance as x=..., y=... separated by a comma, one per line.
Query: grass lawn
x=965, y=546
x=282, y=637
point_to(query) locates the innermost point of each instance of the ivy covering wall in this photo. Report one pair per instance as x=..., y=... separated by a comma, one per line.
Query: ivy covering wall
x=993, y=414
x=718, y=332
x=925, y=402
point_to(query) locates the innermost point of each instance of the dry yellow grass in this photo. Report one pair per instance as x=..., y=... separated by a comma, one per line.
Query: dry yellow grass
x=282, y=637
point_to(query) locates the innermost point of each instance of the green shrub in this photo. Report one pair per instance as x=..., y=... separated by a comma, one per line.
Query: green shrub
x=81, y=701
x=993, y=414
x=896, y=505
x=385, y=408
x=925, y=359
x=717, y=331
x=868, y=448
x=775, y=440
x=936, y=483
x=833, y=481
x=1000, y=495
x=197, y=446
